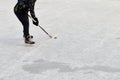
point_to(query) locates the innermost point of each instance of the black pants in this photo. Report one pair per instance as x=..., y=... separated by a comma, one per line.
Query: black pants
x=22, y=15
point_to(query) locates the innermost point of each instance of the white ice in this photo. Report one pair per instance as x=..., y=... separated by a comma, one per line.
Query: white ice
x=87, y=48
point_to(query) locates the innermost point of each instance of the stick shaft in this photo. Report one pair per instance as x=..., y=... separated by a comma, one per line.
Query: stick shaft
x=41, y=27
x=45, y=31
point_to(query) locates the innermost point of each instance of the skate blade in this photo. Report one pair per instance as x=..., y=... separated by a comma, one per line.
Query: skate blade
x=29, y=44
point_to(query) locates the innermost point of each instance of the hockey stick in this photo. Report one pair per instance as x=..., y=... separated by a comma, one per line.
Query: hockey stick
x=43, y=29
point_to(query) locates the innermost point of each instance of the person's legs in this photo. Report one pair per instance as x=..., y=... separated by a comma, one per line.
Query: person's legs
x=23, y=17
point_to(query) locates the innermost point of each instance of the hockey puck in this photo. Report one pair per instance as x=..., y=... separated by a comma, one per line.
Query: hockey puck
x=55, y=37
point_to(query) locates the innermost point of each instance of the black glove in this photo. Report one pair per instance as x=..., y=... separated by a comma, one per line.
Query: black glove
x=35, y=21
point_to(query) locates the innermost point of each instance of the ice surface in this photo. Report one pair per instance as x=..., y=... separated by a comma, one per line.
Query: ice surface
x=87, y=48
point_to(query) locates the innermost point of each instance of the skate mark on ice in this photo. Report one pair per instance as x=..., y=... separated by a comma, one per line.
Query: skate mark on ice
x=118, y=38
x=1, y=79
x=102, y=68
x=41, y=66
